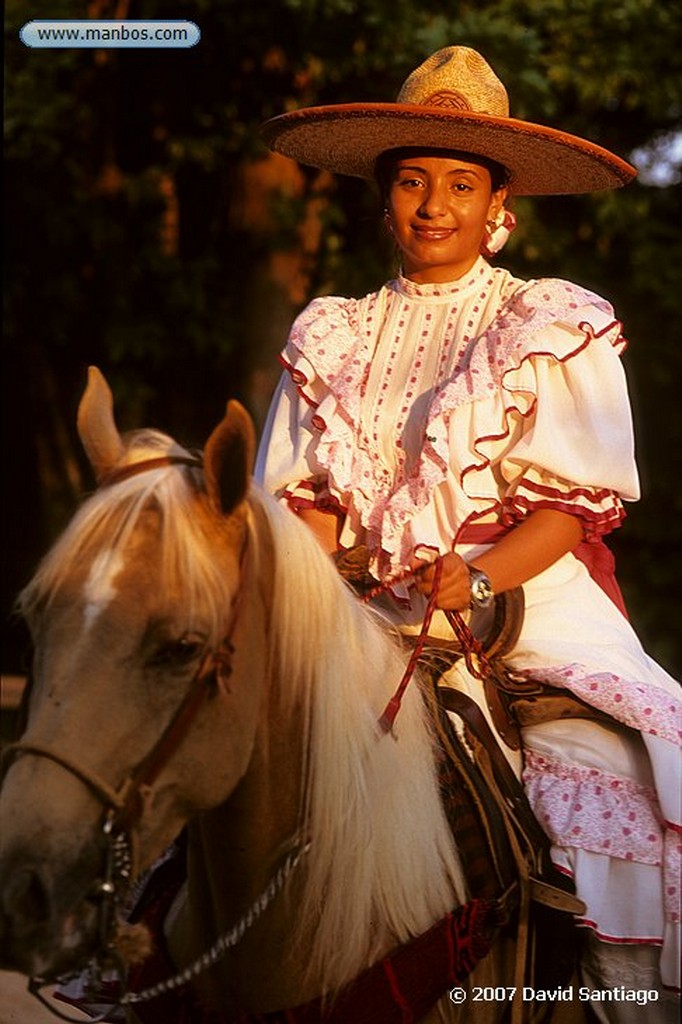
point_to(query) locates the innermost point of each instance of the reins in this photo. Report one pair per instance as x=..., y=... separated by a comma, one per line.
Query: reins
x=472, y=649
x=390, y=712
x=526, y=887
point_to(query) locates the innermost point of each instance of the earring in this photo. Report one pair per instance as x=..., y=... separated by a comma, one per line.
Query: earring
x=497, y=232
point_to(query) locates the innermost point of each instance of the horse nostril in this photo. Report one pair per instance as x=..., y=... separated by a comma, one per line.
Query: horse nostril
x=26, y=900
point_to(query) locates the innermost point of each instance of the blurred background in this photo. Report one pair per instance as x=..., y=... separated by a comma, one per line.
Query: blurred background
x=149, y=232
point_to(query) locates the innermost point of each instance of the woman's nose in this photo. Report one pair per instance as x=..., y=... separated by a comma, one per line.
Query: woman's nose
x=434, y=203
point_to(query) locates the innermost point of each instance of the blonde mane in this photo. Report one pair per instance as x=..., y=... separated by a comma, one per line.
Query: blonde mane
x=381, y=855
x=382, y=862
x=190, y=533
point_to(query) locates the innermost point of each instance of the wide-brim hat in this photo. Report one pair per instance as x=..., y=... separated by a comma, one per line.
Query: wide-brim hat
x=453, y=101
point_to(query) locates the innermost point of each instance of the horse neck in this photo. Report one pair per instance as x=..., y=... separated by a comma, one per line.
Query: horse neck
x=234, y=855
x=360, y=792
x=235, y=850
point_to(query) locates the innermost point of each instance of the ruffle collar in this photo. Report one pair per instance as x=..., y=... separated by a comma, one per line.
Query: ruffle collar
x=446, y=290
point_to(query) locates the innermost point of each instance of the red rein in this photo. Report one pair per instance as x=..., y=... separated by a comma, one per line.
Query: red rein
x=390, y=712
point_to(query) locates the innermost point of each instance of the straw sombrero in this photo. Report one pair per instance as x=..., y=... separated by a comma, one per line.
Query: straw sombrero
x=452, y=101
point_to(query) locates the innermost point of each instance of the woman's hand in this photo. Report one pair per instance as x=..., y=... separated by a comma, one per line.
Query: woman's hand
x=525, y=551
x=454, y=592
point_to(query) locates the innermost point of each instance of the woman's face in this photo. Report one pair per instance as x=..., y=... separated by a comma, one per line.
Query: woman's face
x=437, y=212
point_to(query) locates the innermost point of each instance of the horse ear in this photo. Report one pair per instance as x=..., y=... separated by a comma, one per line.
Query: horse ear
x=96, y=425
x=228, y=458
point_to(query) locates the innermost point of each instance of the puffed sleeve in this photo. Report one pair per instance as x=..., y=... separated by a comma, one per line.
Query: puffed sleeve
x=284, y=458
x=287, y=464
x=571, y=443
x=539, y=416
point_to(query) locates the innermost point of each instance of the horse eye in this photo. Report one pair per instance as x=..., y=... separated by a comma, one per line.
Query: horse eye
x=177, y=652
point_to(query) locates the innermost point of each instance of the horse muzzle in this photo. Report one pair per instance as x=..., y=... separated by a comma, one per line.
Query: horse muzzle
x=57, y=870
x=47, y=927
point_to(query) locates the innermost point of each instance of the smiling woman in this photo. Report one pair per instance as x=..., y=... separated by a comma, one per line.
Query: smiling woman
x=464, y=434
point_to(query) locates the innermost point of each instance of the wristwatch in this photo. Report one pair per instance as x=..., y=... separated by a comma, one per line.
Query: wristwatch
x=482, y=594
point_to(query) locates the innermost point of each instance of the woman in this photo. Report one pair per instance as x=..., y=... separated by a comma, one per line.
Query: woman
x=465, y=416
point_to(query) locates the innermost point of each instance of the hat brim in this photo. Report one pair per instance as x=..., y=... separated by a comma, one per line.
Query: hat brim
x=348, y=138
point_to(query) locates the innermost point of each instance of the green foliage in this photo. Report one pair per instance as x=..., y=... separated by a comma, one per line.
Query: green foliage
x=126, y=247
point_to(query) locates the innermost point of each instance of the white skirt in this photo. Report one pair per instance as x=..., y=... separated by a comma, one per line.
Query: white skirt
x=608, y=797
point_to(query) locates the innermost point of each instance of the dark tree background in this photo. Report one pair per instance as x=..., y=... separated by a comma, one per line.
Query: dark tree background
x=149, y=232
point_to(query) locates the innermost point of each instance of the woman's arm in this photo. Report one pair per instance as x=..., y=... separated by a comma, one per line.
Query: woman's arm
x=325, y=526
x=534, y=545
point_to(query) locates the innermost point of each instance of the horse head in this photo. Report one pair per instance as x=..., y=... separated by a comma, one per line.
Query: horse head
x=137, y=621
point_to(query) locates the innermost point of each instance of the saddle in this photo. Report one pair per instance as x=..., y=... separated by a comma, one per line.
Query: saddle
x=514, y=700
x=504, y=852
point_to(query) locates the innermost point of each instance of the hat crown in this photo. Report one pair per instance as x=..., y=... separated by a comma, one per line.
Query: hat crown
x=456, y=78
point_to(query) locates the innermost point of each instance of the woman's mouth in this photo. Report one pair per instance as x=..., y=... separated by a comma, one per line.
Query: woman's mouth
x=434, y=234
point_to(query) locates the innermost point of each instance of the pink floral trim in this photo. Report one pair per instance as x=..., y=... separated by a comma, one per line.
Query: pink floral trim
x=585, y=808
x=672, y=874
x=592, y=810
x=570, y=788
x=333, y=336
x=639, y=705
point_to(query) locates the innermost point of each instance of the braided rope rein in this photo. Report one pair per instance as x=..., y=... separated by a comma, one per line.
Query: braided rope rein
x=226, y=941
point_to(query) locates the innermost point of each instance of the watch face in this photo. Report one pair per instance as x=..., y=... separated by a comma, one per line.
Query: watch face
x=481, y=591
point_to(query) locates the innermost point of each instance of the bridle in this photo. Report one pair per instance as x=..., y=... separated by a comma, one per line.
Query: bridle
x=124, y=806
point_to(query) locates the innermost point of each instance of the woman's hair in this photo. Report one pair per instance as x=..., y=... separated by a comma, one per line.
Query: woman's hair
x=384, y=168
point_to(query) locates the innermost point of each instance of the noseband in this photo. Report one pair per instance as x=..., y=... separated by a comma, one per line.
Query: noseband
x=126, y=805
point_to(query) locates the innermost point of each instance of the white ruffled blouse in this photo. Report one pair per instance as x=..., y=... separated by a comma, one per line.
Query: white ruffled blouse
x=420, y=409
